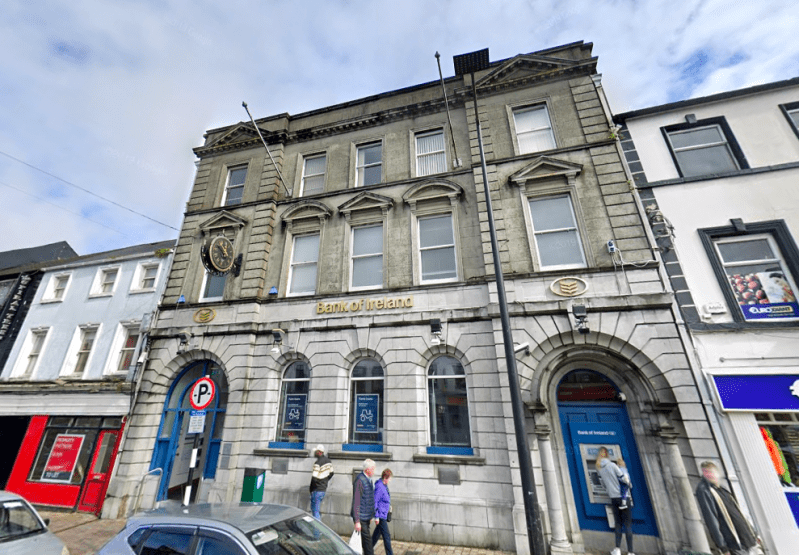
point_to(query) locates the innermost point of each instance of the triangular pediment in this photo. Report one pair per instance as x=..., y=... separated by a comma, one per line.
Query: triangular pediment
x=222, y=220
x=306, y=209
x=529, y=66
x=366, y=201
x=239, y=133
x=545, y=168
x=432, y=189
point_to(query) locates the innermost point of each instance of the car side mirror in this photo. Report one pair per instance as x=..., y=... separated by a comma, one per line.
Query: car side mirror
x=47, y=522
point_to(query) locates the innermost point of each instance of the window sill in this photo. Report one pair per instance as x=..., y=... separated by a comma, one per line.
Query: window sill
x=449, y=459
x=361, y=455
x=48, y=301
x=140, y=291
x=282, y=449
x=100, y=295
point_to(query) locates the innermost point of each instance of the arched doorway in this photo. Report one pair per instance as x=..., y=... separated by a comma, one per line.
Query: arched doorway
x=592, y=415
x=175, y=442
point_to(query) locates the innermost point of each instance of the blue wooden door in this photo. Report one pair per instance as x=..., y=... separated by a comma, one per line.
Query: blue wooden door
x=586, y=427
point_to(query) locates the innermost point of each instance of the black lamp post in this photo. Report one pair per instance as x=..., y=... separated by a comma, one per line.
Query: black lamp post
x=469, y=63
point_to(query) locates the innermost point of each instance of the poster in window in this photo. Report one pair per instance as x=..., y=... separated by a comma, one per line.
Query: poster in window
x=294, y=418
x=764, y=295
x=366, y=416
x=63, y=458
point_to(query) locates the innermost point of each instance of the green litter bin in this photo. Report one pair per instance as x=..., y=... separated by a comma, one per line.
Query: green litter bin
x=253, y=487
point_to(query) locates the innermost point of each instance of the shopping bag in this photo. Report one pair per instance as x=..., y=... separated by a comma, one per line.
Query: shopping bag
x=355, y=542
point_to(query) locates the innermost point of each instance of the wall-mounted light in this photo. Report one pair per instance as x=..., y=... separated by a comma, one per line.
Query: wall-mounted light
x=435, y=329
x=581, y=318
x=273, y=290
x=277, y=341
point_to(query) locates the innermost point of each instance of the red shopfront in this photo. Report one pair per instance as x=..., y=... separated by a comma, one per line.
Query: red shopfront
x=66, y=461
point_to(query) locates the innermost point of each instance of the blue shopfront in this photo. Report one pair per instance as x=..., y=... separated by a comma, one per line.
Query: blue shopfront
x=771, y=450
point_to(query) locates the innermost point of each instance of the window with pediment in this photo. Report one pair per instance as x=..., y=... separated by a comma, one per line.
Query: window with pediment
x=435, y=242
x=552, y=213
x=304, y=223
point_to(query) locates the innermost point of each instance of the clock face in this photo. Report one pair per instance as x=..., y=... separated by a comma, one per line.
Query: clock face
x=220, y=254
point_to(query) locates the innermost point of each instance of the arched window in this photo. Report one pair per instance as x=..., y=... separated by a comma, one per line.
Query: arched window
x=449, y=407
x=293, y=404
x=366, y=404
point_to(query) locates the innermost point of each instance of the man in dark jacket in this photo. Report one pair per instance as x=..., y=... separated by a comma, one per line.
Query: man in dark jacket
x=322, y=472
x=728, y=526
x=363, y=505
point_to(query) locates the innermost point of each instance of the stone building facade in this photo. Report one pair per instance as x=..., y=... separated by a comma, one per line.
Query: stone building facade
x=361, y=313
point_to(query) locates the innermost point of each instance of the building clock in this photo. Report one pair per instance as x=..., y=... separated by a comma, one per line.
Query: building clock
x=219, y=255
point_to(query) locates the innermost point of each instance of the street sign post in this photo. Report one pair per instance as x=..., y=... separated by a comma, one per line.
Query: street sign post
x=202, y=393
x=201, y=396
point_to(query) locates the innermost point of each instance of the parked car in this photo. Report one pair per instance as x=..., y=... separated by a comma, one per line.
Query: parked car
x=225, y=529
x=23, y=531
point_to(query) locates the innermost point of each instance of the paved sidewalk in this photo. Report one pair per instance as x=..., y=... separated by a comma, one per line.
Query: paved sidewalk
x=84, y=534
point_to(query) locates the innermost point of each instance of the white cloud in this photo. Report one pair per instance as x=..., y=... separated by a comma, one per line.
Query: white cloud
x=113, y=96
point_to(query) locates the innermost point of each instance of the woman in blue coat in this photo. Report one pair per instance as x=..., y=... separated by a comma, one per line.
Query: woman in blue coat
x=382, y=508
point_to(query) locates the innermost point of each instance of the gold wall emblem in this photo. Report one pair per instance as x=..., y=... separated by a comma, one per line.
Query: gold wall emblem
x=569, y=286
x=204, y=315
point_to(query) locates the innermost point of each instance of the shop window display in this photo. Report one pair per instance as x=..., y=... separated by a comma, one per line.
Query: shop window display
x=780, y=432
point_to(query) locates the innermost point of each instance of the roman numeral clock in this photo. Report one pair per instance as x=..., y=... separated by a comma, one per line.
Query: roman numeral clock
x=219, y=256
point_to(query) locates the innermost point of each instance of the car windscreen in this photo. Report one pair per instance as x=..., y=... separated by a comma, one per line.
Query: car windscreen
x=300, y=535
x=17, y=520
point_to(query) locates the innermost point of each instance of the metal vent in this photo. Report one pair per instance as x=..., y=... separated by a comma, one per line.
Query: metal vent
x=449, y=475
x=280, y=466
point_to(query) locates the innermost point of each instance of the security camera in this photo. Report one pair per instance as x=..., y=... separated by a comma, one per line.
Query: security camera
x=522, y=347
x=184, y=336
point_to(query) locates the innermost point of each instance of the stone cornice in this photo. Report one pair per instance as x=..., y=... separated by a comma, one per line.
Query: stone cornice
x=457, y=99
x=65, y=385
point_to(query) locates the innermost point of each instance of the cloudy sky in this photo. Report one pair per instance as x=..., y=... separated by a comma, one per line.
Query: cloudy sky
x=102, y=102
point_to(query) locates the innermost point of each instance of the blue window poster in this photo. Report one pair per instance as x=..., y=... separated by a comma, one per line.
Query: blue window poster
x=294, y=417
x=366, y=416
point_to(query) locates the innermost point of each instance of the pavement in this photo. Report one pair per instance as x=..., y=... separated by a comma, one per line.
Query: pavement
x=84, y=534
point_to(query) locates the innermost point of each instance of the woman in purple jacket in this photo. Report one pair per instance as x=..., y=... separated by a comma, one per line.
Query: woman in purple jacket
x=382, y=508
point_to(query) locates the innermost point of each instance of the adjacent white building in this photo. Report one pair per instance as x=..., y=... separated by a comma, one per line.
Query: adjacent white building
x=70, y=371
x=718, y=177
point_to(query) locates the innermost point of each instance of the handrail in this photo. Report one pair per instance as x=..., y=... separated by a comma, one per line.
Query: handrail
x=158, y=470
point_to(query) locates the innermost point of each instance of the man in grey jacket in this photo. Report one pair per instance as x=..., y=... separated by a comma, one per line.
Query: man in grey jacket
x=725, y=522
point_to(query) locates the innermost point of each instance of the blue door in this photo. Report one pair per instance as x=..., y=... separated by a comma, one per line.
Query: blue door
x=170, y=452
x=587, y=425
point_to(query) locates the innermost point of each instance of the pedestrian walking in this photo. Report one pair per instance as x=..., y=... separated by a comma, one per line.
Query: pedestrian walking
x=322, y=472
x=363, y=505
x=613, y=478
x=729, y=528
x=383, y=511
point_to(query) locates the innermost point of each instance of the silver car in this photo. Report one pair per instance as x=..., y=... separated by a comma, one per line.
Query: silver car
x=22, y=530
x=225, y=529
